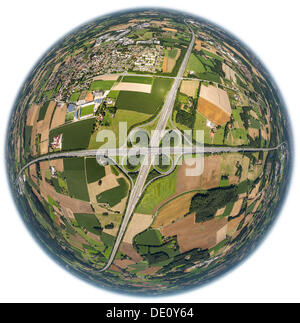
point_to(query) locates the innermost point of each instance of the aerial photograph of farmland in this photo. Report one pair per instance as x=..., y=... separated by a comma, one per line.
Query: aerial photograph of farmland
x=149, y=152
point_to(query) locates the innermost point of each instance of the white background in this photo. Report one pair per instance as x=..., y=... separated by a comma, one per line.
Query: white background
x=270, y=28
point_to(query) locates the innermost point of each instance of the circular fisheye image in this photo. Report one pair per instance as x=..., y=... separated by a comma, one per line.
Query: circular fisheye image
x=149, y=152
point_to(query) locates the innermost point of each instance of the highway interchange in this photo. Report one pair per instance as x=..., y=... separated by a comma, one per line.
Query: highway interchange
x=149, y=153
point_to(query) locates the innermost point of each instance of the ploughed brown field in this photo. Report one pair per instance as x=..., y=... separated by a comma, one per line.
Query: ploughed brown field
x=192, y=235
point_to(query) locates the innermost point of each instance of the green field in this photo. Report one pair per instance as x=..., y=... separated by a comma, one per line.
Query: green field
x=69, y=116
x=76, y=135
x=94, y=171
x=113, y=94
x=150, y=237
x=131, y=117
x=210, y=77
x=27, y=138
x=207, y=53
x=101, y=85
x=43, y=111
x=76, y=180
x=74, y=97
x=114, y=195
x=207, y=62
x=87, y=110
x=195, y=65
x=172, y=52
x=149, y=103
x=138, y=79
x=200, y=124
x=156, y=192
x=88, y=222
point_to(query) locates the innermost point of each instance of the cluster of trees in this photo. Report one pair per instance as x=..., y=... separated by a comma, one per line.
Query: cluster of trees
x=206, y=204
x=185, y=260
x=185, y=118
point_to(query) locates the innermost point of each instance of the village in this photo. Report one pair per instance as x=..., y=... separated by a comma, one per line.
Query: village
x=111, y=53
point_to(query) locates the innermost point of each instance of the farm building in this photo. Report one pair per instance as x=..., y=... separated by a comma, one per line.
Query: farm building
x=89, y=97
x=214, y=104
x=57, y=142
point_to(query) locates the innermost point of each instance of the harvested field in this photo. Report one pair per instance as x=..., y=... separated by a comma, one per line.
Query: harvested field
x=220, y=211
x=198, y=44
x=44, y=125
x=127, y=249
x=192, y=235
x=189, y=87
x=150, y=270
x=233, y=225
x=67, y=213
x=187, y=183
x=173, y=210
x=34, y=119
x=33, y=174
x=124, y=263
x=254, y=191
x=158, y=23
x=170, y=62
x=212, y=112
x=257, y=169
x=254, y=115
x=58, y=164
x=108, y=219
x=32, y=170
x=107, y=77
x=169, y=29
x=59, y=115
x=138, y=224
x=211, y=173
x=115, y=268
x=76, y=206
x=135, y=87
x=121, y=26
x=221, y=234
x=94, y=236
x=228, y=166
x=236, y=207
x=32, y=114
x=44, y=147
x=253, y=132
x=209, y=178
x=214, y=104
x=164, y=66
x=56, y=67
x=109, y=181
x=258, y=203
x=229, y=73
x=44, y=165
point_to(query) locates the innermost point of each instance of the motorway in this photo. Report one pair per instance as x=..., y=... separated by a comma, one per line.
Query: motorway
x=149, y=159
x=153, y=151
